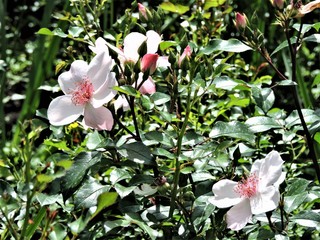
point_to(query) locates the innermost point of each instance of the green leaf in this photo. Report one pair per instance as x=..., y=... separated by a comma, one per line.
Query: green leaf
x=45, y=31
x=123, y=191
x=308, y=219
x=105, y=200
x=231, y=45
x=128, y=90
x=284, y=44
x=167, y=44
x=316, y=26
x=297, y=186
x=313, y=38
x=159, y=98
x=75, y=31
x=227, y=83
x=79, y=169
x=157, y=137
x=87, y=195
x=293, y=202
x=36, y=222
x=232, y=129
x=175, y=8
x=213, y=3
x=264, y=98
x=137, y=152
x=261, y=124
x=118, y=174
x=60, y=33
x=61, y=145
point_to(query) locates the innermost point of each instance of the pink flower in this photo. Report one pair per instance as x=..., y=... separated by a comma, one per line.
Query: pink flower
x=143, y=11
x=241, y=21
x=256, y=194
x=186, y=53
x=87, y=88
x=149, y=62
x=304, y=9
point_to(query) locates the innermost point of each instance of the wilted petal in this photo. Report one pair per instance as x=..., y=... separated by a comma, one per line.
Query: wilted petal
x=131, y=44
x=100, y=46
x=105, y=93
x=98, y=118
x=224, y=194
x=239, y=215
x=69, y=80
x=62, y=111
x=265, y=200
x=99, y=68
x=269, y=169
x=153, y=41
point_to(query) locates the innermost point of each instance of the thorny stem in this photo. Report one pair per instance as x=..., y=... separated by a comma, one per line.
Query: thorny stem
x=293, y=54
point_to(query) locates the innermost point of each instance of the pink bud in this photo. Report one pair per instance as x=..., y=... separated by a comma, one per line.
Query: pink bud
x=143, y=11
x=186, y=53
x=278, y=3
x=149, y=62
x=241, y=21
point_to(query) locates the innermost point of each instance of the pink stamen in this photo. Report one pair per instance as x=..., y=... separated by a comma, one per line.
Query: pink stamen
x=247, y=187
x=83, y=92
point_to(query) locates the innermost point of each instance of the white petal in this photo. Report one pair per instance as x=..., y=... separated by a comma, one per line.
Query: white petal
x=99, y=68
x=68, y=80
x=269, y=169
x=98, y=118
x=145, y=190
x=153, y=41
x=224, y=194
x=100, y=46
x=62, y=111
x=265, y=201
x=121, y=102
x=105, y=93
x=131, y=44
x=239, y=215
x=163, y=62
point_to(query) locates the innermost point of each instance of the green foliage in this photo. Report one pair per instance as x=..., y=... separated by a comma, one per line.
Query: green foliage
x=213, y=114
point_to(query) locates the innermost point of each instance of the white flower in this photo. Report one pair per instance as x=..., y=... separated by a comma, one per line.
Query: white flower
x=87, y=88
x=256, y=194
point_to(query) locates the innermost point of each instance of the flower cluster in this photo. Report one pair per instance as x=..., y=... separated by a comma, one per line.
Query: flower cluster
x=88, y=87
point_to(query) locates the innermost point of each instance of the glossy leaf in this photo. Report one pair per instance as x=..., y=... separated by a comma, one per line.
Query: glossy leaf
x=231, y=45
x=175, y=8
x=137, y=152
x=261, y=124
x=105, y=200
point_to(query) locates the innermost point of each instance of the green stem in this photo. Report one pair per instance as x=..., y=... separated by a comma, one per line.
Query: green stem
x=179, y=148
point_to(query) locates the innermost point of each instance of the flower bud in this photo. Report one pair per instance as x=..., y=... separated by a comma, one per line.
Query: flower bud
x=241, y=21
x=149, y=62
x=143, y=11
x=186, y=53
x=277, y=3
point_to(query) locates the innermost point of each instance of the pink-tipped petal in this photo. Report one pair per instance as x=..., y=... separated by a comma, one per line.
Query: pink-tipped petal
x=98, y=118
x=153, y=41
x=69, y=80
x=106, y=92
x=224, y=194
x=239, y=215
x=62, y=111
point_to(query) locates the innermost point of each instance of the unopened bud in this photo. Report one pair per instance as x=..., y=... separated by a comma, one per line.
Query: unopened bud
x=143, y=11
x=149, y=62
x=241, y=21
x=277, y=3
x=186, y=53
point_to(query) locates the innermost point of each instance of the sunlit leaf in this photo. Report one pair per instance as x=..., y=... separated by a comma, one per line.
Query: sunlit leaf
x=213, y=3
x=137, y=152
x=175, y=8
x=231, y=45
x=105, y=200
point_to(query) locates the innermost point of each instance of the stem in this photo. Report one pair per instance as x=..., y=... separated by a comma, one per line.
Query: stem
x=134, y=117
x=293, y=54
x=179, y=148
x=9, y=225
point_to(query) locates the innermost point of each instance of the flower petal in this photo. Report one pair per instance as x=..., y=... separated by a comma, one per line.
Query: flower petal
x=98, y=118
x=145, y=190
x=62, y=111
x=269, y=169
x=121, y=102
x=153, y=41
x=265, y=201
x=105, y=93
x=148, y=87
x=131, y=45
x=239, y=215
x=99, y=69
x=69, y=80
x=100, y=46
x=163, y=62
x=224, y=194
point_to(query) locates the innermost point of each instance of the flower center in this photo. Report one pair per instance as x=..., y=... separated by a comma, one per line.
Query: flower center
x=83, y=92
x=247, y=187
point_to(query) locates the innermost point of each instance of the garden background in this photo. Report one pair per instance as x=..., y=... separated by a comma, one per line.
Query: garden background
x=242, y=90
